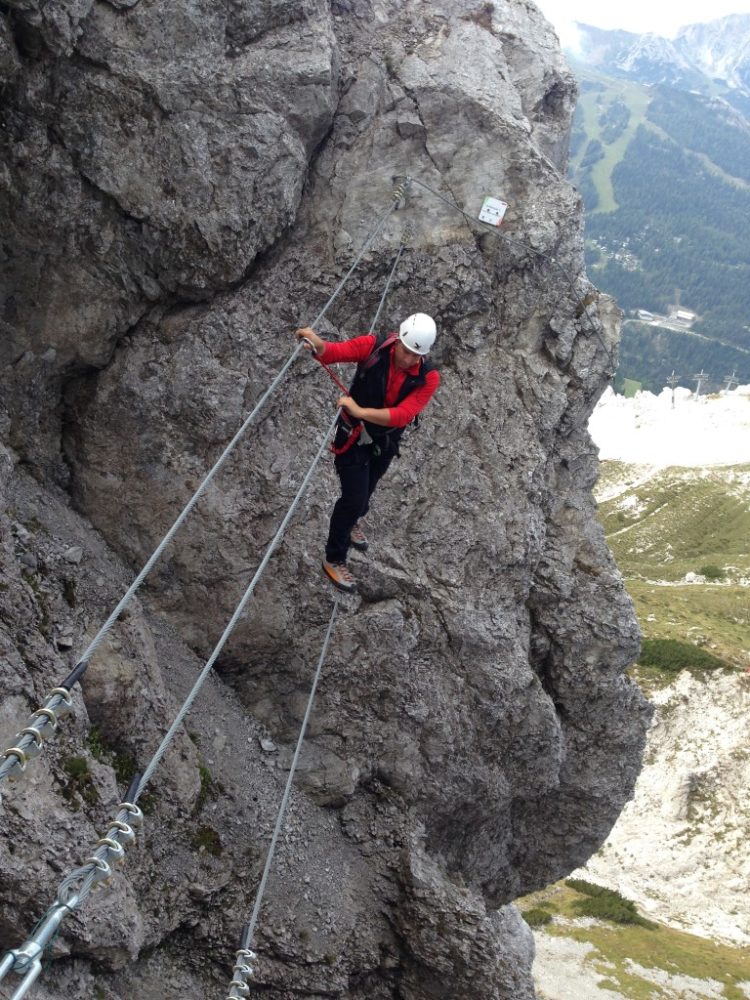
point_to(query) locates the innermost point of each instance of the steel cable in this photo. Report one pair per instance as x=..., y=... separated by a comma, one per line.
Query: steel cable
x=16, y=757
x=229, y=448
x=154, y=763
x=244, y=966
x=250, y=928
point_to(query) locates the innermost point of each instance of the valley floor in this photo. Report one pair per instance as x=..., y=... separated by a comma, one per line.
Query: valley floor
x=569, y=969
x=579, y=958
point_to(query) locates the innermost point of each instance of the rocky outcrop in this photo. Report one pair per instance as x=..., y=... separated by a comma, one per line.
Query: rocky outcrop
x=200, y=176
x=691, y=827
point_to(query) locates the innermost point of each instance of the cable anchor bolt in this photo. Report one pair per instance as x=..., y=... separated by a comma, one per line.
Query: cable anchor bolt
x=45, y=721
x=399, y=195
x=34, y=744
x=102, y=870
x=113, y=848
x=135, y=816
x=125, y=834
x=244, y=969
x=65, y=703
x=18, y=766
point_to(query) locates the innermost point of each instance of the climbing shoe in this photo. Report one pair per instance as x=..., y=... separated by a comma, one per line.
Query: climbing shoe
x=340, y=576
x=359, y=539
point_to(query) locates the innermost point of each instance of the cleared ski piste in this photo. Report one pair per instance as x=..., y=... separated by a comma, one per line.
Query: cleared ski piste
x=647, y=430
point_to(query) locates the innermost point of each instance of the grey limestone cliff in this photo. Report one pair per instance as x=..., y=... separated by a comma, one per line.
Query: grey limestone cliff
x=183, y=184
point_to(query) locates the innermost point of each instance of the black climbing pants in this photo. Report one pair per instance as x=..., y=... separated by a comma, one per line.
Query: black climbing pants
x=360, y=470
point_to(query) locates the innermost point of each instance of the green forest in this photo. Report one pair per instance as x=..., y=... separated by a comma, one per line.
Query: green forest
x=704, y=128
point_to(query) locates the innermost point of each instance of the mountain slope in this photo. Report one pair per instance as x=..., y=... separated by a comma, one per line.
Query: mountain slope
x=712, y=59
x=721, y=50
x=678, y=850
x=664, y=175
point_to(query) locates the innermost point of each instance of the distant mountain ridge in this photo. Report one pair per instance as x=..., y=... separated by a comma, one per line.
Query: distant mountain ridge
x=720, y=49
x=712, y=59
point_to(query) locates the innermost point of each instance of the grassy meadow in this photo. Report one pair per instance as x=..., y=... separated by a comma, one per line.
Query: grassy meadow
x=630, y=957
x=664, y=525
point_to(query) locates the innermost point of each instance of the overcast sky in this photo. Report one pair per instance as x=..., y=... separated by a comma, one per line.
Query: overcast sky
x=637, y=15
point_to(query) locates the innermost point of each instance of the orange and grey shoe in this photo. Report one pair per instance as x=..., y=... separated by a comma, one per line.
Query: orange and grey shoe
x=358, y=539
x=340, y=576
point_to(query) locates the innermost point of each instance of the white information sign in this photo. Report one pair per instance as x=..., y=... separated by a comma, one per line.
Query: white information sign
x=493, y=211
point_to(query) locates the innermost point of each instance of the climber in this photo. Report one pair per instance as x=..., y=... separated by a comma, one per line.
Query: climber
x=393, y=383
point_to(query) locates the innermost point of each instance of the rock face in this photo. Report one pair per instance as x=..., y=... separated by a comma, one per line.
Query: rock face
x=199, y=176
x=169, y=151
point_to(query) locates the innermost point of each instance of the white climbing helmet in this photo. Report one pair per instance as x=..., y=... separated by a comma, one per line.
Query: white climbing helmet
x=418, y=333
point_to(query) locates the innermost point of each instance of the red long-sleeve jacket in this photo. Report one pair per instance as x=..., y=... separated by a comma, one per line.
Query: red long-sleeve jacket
x=359, y=349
